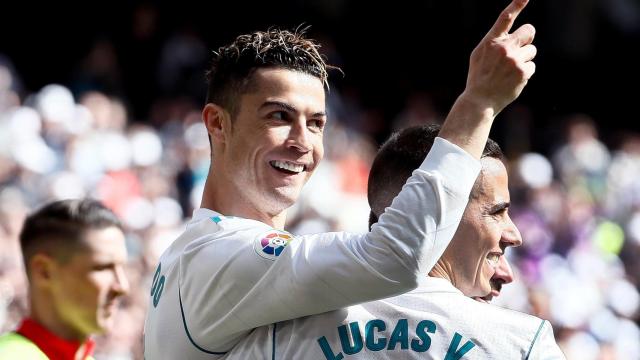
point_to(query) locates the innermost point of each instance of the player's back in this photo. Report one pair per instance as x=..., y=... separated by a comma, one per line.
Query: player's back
x=435, y=321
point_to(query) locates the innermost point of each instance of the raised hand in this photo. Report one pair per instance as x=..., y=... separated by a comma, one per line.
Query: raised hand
x=502, y=63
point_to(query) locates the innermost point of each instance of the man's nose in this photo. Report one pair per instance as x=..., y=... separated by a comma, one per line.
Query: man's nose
x=299, y=136
x=121, y=283
x=511, y=235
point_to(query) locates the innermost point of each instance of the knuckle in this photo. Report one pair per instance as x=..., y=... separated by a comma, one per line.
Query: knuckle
x=502, y=49
x=506, y=15
x=521, y=70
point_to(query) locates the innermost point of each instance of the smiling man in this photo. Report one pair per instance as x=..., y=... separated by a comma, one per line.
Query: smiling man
x=235, y=269
x=74, y=254
x=487, y=229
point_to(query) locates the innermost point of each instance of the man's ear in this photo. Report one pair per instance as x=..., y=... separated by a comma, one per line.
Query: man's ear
x=217, y=120
x=41, y=269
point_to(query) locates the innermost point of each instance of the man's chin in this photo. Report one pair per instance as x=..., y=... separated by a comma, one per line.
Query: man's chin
x=487, y=298
x=105, y=324
x=286, y=196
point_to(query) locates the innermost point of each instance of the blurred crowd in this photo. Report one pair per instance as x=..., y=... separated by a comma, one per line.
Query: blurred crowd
x=578, y=206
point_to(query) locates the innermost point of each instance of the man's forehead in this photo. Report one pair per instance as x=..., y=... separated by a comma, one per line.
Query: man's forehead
x=106, y=243
x=275, y=79
x=293, y=90
x=493, y=181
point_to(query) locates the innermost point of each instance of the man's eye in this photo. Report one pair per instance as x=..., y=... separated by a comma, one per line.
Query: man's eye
x=502, y=211
x=279, y=115
x=102, y=267
x=317, y=124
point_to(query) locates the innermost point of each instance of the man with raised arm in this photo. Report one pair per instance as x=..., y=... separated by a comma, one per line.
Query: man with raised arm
x=235, y=269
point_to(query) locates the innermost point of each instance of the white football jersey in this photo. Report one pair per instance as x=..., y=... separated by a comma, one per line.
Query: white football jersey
x=225, y=276
x=434, y=321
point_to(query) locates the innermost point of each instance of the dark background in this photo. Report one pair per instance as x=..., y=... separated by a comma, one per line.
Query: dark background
x=587, y=50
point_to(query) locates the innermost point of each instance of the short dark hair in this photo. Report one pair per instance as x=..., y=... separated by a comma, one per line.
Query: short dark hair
x=396, y=160
x=232, y=66
x=57, y=227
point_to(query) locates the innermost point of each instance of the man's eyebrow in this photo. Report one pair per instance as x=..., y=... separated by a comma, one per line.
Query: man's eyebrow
x=498, y=207
x=288, y=107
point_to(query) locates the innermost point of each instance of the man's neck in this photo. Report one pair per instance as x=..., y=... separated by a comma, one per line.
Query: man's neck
x=49, y=319
x=214, y=199
x=444, y=271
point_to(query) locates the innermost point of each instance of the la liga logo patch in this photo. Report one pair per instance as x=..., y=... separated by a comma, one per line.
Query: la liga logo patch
x=271, y=244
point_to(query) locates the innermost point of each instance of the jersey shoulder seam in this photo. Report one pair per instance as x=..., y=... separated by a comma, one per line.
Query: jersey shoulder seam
x=535, y=338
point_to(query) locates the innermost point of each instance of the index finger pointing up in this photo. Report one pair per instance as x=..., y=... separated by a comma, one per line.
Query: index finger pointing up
x=506, y=18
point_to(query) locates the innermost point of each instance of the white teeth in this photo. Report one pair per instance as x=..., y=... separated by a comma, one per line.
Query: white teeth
x=493, y=259
x=288, y=166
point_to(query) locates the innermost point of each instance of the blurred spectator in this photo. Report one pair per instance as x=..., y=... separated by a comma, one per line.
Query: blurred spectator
x=584, y=159
x=10, y=85
x=419, y=110
x=74, y=253
x=99, y=70
x=182, y=59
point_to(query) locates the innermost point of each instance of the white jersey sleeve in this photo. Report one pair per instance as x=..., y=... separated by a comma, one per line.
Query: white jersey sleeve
x=228, y=277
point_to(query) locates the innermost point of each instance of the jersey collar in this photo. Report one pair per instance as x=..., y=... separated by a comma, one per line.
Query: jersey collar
x=52, y=345
x=428, y=284
x=202, y=213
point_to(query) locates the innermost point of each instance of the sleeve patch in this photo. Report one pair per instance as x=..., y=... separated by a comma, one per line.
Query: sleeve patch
x=270, y=245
